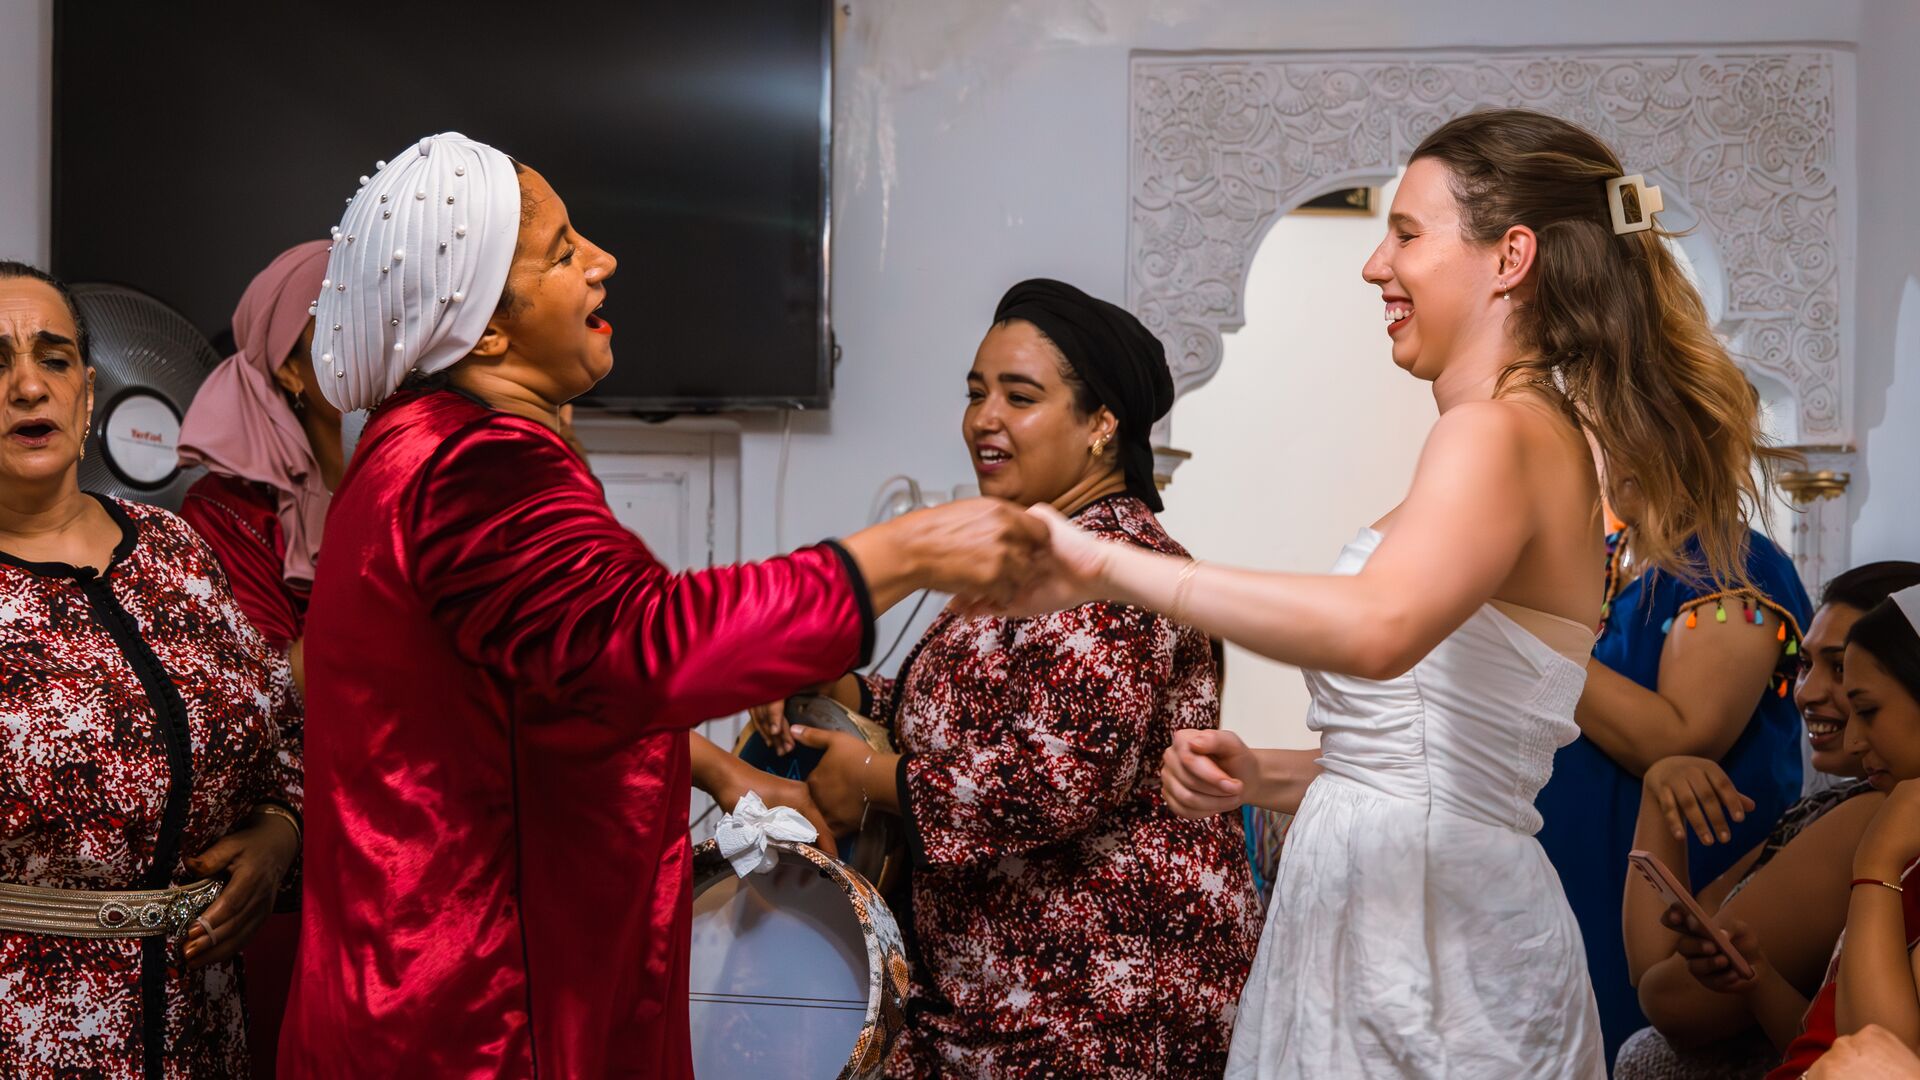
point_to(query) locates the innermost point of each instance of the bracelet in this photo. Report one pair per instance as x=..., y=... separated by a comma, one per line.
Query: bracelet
x=866, y=801
x=1875, y=881
x=281, y=812
x=1179, y=605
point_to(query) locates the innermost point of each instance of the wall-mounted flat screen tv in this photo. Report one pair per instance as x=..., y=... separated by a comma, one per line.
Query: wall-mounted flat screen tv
x=193, y=142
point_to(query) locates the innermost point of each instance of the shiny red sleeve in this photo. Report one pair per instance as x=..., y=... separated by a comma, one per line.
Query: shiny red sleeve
x=253, y=568
x=512, y=544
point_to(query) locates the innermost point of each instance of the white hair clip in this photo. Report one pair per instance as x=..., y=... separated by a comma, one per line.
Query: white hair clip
x=1633, y=203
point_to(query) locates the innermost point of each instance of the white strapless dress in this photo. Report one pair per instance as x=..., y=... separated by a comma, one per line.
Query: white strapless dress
x=1417, y=928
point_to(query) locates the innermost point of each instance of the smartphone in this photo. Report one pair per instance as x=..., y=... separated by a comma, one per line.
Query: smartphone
x=1657, y=875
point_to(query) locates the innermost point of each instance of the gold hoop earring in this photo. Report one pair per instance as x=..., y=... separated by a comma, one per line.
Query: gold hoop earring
x=1099, y=446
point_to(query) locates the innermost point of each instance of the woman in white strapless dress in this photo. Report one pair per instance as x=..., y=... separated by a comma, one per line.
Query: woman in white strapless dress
x=1416, y=927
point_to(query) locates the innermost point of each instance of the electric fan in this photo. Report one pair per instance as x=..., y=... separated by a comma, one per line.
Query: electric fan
x=148, y=362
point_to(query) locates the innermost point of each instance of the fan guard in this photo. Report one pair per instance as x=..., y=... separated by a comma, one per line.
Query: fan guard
x=148, y=362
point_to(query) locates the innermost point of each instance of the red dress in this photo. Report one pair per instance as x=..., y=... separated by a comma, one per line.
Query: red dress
x=1065, y=922
x=141, y=718
x=502, y=677
x=240, y=520
x=1823, y=1022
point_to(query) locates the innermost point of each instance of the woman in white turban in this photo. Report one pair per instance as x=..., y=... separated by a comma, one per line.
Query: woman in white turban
x=501, y=676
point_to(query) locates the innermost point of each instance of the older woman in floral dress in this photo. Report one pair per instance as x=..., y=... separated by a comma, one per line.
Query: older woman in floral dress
x=149, y=740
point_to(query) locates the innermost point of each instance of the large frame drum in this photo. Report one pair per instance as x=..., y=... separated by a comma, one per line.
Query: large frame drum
x=796, y=973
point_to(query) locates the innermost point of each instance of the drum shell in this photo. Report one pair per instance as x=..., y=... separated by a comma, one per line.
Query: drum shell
x=887, y=970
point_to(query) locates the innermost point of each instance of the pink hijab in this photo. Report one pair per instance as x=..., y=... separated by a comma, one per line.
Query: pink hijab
x=240, y=423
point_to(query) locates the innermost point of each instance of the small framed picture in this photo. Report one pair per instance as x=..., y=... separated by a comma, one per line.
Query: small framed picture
x=1359, y=201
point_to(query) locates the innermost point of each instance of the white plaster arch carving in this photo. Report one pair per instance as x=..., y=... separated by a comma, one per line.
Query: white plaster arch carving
x=1223, y=144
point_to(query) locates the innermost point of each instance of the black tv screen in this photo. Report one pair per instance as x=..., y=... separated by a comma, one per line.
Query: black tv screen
x=193, y=142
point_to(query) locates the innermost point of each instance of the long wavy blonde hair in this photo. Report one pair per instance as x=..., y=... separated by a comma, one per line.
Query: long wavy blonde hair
x=1620, y=336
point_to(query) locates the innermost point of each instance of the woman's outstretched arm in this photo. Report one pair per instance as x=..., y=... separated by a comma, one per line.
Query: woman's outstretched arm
x=1453, y=542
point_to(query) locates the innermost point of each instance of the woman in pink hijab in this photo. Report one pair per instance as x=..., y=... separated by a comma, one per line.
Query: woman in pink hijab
x=271, y=445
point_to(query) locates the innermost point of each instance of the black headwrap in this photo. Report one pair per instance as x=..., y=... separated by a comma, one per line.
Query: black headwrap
x=1119, y=359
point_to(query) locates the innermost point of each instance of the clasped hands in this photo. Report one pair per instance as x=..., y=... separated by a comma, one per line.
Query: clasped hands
x=992, y=556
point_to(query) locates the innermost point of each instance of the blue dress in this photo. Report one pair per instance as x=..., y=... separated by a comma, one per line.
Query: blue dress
x=1590, y=805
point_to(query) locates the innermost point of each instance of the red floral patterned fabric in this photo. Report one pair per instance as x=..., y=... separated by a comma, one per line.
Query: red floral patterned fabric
x=1066, y=923
x=240, y=520
x=92, y=792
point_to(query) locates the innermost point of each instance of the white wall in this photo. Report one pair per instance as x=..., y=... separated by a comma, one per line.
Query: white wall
x=1308, y=432
x=26, y=110
x=1886, y=499
x=980, y=143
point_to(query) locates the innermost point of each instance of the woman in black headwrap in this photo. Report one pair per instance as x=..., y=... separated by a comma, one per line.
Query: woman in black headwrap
x=1066, y=923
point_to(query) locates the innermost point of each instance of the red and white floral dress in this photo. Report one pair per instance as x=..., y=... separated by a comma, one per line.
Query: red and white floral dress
x=141, y=718
x=1065, y=923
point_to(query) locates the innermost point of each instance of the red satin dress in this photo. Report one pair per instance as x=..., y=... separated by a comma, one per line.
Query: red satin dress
x=500, y=681
x=240, y=521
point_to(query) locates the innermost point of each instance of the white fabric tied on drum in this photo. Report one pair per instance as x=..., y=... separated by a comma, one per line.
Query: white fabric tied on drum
x=744, y=834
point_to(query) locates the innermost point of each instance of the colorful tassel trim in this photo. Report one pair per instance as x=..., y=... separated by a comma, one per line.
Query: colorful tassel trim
x=1754, y=610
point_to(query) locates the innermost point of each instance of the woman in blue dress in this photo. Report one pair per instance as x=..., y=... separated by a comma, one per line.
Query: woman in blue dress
x=1683, y=667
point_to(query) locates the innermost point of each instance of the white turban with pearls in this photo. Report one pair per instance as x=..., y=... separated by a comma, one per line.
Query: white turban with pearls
x=417, y=267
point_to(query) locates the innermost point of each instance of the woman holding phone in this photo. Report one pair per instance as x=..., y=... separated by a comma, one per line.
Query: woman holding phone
x=1875, y=976
x=1783, y=888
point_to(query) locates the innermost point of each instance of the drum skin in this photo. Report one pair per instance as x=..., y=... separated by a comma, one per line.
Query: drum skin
x=886, y=955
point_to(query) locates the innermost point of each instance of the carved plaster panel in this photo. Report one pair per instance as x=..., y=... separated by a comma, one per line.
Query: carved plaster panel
x=1745, y=140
